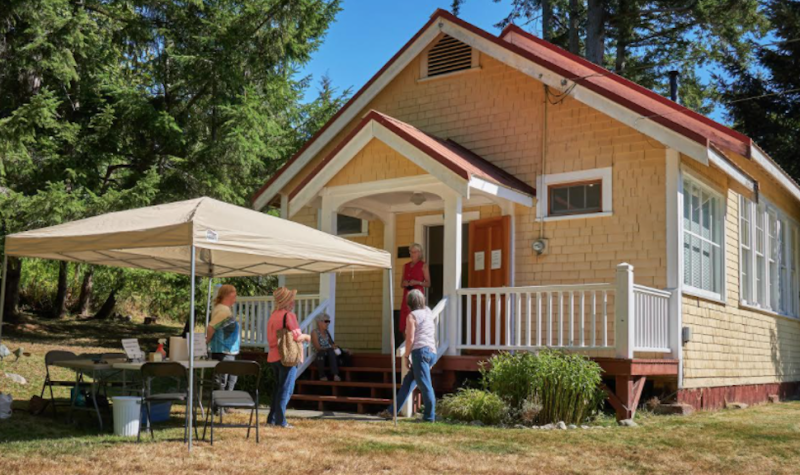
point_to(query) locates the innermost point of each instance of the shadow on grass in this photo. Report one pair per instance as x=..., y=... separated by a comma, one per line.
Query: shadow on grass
x=83, y=332
x=25, y=428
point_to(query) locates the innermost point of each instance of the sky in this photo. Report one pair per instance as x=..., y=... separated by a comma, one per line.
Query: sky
x=367, y=33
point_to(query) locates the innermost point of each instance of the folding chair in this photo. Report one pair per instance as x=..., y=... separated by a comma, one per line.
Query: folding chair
x=172, y=370
x=50, y=358
x=221, y=399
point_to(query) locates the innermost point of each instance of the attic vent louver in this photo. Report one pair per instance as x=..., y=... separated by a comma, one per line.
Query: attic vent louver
x=449, y=55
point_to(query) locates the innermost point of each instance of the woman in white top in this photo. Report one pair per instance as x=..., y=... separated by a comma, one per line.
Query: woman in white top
x=421, y=354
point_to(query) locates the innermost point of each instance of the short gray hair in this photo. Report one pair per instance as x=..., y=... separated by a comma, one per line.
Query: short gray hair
x=322, y=317
x=415, y=300
x=418, y=247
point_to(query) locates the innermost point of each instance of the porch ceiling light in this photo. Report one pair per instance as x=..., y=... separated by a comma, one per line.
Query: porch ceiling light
x=418, y=198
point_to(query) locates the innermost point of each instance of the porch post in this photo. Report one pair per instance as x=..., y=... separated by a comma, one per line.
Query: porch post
x=387, y=347
x=624, y=312
x=284, y=215
x=452, y=266
x=327, y=281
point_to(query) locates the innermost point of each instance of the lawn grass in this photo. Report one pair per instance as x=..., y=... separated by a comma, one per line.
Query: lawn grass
x=764, y=439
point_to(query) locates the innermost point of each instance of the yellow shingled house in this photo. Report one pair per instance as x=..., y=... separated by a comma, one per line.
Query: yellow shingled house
x=559, y=206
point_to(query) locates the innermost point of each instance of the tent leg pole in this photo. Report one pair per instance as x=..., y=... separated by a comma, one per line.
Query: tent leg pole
x=190, y=405
x=394, y=351
x=208, y=304
x=3, y=294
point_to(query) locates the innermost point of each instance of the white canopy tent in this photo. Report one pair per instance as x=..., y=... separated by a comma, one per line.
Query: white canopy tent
x=200, y=237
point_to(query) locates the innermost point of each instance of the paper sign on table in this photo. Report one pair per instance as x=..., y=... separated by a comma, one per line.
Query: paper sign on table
x=132, y=349
x=479, y=260
x=200, y=349
x=497, y=258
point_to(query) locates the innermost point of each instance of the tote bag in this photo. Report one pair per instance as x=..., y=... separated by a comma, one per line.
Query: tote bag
x=291, y=351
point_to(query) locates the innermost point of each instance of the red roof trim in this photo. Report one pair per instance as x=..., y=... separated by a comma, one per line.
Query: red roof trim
x=347, y=105
x=390, y=124
x=625, y=82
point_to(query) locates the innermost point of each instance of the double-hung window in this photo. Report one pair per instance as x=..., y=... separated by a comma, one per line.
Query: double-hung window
x=703, y=234
x=769, y=252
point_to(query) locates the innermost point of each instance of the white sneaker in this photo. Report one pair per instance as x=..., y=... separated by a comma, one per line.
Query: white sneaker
x=337, y=378
x=324, y=378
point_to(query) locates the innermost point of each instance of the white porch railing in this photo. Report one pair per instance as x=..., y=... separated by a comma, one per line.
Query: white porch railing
x=550, y=316
x=651, y=309
x=619, y=316
x=252, y=314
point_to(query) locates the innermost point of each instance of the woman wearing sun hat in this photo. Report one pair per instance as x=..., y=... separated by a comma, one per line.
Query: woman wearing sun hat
x=284, y=376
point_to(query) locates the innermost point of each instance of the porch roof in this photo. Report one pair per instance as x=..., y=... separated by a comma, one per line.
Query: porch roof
x=458, y=160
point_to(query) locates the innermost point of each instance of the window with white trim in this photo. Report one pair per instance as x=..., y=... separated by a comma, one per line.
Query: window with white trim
x=702, y=238
x=349, y=226
x=571, y=195
x=774, y=283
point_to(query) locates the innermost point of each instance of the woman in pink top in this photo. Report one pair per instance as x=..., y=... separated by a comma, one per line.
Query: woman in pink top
x=284, y=376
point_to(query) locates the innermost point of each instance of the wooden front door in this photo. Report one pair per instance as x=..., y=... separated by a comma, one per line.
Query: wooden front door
x=489, y=266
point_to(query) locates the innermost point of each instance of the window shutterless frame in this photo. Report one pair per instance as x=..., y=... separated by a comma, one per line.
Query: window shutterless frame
x=585, y=209
x=703, y=238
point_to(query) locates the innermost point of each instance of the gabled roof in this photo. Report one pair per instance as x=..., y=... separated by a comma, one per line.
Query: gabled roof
x=674, y=125
x=467, y=166
x=460, y=160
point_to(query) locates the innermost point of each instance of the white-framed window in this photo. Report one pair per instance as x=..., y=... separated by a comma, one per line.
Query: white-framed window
x=581, y=194
x=347, y=226
x=773, y=285
x=745, y=250
x=703, y=235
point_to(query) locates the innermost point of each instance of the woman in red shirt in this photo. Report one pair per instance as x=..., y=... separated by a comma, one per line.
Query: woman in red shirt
x=284, y=376
x=415, y=276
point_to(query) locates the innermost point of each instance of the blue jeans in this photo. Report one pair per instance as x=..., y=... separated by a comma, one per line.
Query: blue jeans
x=420, y=375
x=284, y=387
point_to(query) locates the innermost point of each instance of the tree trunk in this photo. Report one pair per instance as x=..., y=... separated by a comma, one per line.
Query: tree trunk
x=574, y=44
x=547, y=14
x=624, y=35
x=60, y=304
x=13, y=273
x=85, y=298
x=595, y=32
x=108, y=306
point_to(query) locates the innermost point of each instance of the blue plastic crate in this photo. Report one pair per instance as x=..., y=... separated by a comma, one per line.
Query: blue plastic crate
x=159, y=412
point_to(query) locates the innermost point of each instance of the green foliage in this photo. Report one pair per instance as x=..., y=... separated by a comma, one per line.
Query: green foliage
x=548, y=387
x=111, y=105
x=764, y=98
x=474, y=405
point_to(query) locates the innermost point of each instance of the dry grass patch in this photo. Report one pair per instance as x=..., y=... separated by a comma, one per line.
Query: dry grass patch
x=763, y=439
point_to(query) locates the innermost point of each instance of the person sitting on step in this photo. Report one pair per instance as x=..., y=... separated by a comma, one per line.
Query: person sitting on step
x=326, y=348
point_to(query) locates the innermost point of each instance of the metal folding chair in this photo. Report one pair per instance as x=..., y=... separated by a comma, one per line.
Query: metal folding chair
x=172, y=370
x=50, y=358
x=221, y=399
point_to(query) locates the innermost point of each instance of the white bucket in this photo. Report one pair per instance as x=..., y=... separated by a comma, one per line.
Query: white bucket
x=126, y=415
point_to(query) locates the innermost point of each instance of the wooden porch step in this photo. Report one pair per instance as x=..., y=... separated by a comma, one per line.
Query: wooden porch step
x=345, y=384
x=342, y=399
x=361, y=403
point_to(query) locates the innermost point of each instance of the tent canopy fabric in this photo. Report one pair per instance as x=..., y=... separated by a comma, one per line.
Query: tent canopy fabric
x=230, y=241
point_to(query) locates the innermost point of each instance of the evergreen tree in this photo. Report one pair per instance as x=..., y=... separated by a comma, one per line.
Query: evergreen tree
x=111, y=104
x=763, y=101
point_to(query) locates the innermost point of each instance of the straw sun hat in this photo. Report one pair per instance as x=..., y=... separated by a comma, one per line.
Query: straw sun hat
x=283, y=297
